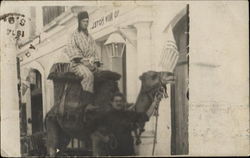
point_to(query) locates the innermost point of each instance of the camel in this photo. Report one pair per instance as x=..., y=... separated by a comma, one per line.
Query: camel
x=68, y=117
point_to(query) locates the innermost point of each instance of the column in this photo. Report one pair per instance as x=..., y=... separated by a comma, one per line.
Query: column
x=143, y=65
x=10, y=130
x=143, y=46
x=143, y=49
x=132, y=79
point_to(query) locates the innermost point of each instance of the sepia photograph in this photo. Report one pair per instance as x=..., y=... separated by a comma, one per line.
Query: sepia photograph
x=124, y=78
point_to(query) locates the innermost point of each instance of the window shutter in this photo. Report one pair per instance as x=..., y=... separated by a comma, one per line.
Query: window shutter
x=50, y=13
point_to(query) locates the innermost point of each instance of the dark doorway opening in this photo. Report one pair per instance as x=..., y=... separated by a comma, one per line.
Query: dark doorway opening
x=36, y=101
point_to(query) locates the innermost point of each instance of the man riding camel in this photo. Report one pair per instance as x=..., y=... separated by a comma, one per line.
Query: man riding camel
x=82, y=51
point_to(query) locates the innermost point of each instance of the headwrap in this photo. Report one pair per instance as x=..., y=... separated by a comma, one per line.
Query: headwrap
x=82, y=15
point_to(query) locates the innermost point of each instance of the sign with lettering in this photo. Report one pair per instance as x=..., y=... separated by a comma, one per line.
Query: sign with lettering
x=104, y=20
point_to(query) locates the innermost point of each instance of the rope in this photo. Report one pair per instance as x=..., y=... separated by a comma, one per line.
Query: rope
x=156, y=127
x=113, y=142
x=161, y=93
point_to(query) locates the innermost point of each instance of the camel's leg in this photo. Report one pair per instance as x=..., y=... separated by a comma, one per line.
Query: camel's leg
x=63, y=141
x=99, y=144
x=52, y=135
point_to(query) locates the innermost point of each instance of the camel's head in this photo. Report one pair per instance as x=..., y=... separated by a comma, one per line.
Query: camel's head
x=154, y=80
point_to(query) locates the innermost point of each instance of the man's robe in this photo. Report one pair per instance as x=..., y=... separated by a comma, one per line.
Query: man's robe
x=82, y=46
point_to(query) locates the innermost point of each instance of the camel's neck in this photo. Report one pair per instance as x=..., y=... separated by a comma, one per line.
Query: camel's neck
x=143, y=102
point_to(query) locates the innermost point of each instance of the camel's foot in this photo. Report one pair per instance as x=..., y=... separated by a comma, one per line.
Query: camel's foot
x=52, y=151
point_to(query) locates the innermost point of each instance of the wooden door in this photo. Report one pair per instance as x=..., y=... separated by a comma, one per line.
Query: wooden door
x=179, y=101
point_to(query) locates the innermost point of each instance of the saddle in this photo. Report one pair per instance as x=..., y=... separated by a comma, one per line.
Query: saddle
x=61, y=72
x=68, y=93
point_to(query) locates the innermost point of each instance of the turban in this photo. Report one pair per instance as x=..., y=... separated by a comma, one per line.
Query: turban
x=83, y=15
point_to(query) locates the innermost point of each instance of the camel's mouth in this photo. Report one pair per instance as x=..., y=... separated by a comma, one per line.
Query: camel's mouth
x=167, y=78
x=154, y=80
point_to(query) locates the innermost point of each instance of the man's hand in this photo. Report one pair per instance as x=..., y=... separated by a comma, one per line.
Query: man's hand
x=75, y=69
x=74, y=63
x=97, y=63
x=76, y=60
x=90, y=107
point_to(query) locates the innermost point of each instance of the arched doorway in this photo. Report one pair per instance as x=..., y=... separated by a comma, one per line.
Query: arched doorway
x=36, y=95
x=179, y=99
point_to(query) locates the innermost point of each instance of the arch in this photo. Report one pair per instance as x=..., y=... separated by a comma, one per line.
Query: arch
x=176, y=19
x=35, y=65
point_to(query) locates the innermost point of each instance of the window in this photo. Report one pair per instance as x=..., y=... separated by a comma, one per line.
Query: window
x=51, y=12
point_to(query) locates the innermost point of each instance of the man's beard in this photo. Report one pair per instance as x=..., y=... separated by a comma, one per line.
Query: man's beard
x=84, y=30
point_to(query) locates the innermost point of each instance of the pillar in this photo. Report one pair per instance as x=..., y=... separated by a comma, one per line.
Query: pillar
x=132, y=79
x=143, y=46
x=144, y=65
x=10, y=130
x=143, y=58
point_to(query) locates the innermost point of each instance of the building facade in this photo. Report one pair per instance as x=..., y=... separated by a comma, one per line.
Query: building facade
x=144, y=30
x=214, y=121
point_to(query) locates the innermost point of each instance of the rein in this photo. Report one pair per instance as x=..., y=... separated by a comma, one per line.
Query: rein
x=159, y=94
